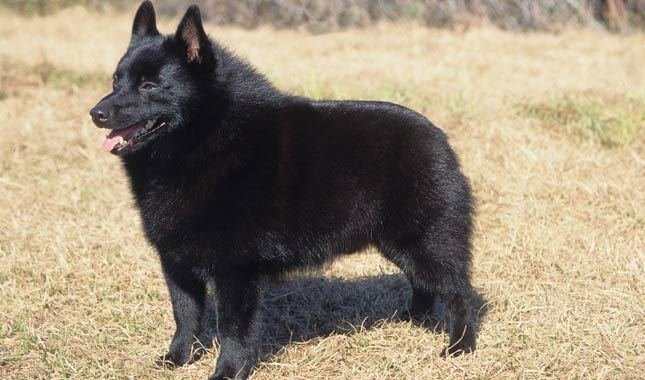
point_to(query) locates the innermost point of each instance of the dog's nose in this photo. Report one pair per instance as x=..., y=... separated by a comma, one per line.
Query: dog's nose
x=99, y=116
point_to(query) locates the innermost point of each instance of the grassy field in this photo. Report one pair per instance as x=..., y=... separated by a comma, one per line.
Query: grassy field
x=549, y=129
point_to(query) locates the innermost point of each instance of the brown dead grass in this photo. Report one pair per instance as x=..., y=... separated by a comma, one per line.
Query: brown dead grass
x=559, y=249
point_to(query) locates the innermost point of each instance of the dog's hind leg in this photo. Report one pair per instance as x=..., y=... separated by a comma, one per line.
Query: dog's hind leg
x=208, y=322
x=238, y=295
x=437, y=265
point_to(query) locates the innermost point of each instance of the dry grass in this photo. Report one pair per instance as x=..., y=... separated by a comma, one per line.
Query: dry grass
x=559, y=249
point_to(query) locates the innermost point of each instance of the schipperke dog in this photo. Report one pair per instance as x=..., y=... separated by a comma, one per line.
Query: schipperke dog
x=238, y=182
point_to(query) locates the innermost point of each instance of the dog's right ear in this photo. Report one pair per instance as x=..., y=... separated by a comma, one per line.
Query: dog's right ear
x=145, y=22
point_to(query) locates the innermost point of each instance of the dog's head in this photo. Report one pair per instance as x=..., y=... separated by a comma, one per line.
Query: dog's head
x=156, y=83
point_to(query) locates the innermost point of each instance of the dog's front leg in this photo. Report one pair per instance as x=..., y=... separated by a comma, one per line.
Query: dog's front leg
x=187, y=293
x=238, y=302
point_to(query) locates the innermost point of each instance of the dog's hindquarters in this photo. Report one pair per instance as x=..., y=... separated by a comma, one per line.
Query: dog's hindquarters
x=427, y=232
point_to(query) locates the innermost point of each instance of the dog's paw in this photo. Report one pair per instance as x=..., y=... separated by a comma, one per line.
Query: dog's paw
x=222, y=374
x=237, y=367
x=172, y=360
x=165, y=361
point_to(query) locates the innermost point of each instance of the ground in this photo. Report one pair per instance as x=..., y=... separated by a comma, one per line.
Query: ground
x=549, y=128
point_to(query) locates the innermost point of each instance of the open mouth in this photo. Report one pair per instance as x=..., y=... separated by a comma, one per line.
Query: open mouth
x=120, y=140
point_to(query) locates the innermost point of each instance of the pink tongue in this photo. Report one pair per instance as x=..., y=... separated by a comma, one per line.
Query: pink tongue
x=110, y=142
x=114, y=137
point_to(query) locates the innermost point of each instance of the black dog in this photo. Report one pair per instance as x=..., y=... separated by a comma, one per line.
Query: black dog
x=238, y=182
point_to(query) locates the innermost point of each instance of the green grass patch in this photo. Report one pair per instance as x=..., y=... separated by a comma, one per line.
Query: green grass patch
x=59, y=77
x=15, y=77
x=609, y=121
x=26, y=335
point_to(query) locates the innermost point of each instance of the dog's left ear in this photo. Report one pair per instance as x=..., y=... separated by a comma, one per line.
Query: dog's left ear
x=190, y=36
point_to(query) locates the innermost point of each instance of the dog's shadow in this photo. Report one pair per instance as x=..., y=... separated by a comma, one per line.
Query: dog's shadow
x=304, y=308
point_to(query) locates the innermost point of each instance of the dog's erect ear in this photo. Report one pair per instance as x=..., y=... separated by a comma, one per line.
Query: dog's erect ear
x=191, y=37
x=145, y=23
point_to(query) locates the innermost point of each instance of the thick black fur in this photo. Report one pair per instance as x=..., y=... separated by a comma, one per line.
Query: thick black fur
x=245, y=182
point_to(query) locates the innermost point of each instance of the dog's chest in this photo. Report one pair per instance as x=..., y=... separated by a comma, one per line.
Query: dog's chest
x=169, y=210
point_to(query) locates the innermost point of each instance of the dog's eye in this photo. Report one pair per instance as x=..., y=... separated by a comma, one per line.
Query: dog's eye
x=147, y=85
